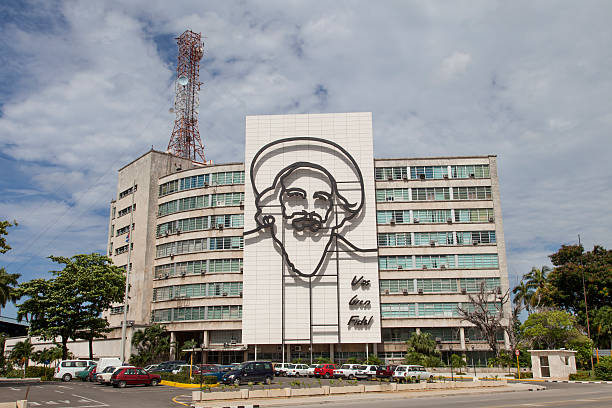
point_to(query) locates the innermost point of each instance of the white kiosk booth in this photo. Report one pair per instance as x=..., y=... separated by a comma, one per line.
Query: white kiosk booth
x=553, y=364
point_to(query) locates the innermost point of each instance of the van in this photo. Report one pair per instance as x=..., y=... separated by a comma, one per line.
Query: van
x=108, y=361
x=251, y=371
x=67, y=369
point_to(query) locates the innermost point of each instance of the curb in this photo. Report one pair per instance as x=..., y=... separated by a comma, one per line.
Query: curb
x=185, y=385
x=578, y=382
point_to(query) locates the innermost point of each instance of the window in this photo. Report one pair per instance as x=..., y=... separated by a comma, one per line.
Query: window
x=392, y=194
x=390, y=173
x=227, y=243
x=397, y=334
x=224, y=265
x=228, y=220
x=431, y=194
x=393, y=216
x=224, y=289
x=113, y=211
x=395, y=286
x=431, y=216
x=437, y=285
x=198, y=290
x=226, y=199
x=472, y=285
x=443, y=333
x=390, y=310
x=230, y=177
x=475, y=171
x=437, y=238
x=394, y=262
x=127, y=192
x=438, y=309
x=474, y=215
x=127, y=210
x=472, y=193
x=116, y=310
x=202, y=180
x=398, y=239
x=478, y=261
x=434, y=261
x=181, y=247
x=123, y=249
x=475, y=237
x=124, y=230
x=428, y=172
x=198, y=202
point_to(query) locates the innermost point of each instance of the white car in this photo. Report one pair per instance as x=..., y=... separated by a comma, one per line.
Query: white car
x=281, y=368
x=298, y=370
x=348, y=371
x=105, y=376
x=184, y=368
x=311, y=369
x=412, y=373
x=67, y=369
x=367, y=371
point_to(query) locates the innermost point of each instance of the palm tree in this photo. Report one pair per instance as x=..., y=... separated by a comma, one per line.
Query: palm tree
x=8, y=281
x=536, y=280
x=522, y=295
x=22, y=351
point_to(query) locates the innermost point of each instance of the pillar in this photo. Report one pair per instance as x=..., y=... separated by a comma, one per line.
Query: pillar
x=375, y=349
x=331, y=352
x=462, y=337
x=255, y=351
x=418, y=330
x=288, y=353
x=506, y=340
x=367, y=351
x=205, y=346
x=172, y=345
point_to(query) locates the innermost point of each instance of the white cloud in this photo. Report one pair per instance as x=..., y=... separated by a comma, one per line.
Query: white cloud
x=517, y=81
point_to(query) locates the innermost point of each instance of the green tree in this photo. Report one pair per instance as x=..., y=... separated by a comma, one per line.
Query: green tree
x=550, y=330
x=188, y=348
x=522, y=295
x=70, y=303
x=564, y=288
x=323, y=360
x=8, y=281
x=536, y=281
x=373, y=359
x=458, y=361
x=603, y=369
x=602, y=326
x=21, y=352
x=152, y=345
x=422, y=350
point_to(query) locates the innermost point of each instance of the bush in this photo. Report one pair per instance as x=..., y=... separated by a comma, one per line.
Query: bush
x=528, y=374
x=580, y=376
x=603, y=369
x=210, y=379
x=184, y=378
x=44, y=373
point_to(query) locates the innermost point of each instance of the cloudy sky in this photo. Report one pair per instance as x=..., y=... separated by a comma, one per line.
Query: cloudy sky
x=85, y=87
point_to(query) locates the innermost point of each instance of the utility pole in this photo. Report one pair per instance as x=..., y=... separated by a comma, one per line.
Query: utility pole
x=586, y=306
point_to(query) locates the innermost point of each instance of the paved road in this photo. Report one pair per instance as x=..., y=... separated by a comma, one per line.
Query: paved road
x=91, y=395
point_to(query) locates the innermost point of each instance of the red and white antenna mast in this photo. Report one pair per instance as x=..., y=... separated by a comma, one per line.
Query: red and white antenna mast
x=185, y=140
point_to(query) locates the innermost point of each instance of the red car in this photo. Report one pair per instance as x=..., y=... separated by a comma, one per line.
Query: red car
x=325, y=370
x=91, y=377
x=133, y=376
x=385, y=371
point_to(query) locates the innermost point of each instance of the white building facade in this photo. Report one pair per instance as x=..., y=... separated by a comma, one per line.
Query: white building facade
x=309, y=248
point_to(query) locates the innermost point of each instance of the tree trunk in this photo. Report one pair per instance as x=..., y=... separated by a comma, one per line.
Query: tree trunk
x=64, y=348
x=91, y=346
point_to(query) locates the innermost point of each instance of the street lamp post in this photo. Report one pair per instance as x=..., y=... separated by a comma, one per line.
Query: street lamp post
x=451, y=362
x=473, y=361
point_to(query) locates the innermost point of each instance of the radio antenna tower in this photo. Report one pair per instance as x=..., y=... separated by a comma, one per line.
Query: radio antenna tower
x=185, y=140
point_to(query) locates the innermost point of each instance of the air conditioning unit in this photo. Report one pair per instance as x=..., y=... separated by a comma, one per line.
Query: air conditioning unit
x=389, y=198
x=474, y=242
x=491, y=219
x=400, y=267
x=449, y=220
x=206, y=184
x=386, y=291
x=232, y=342
x=167, y=233
x=389, y=178
x=424, y=266
x=432, y=243
x=178, y=232
x=183, y=274
x=405, y=291
x=420, y=291
x=463, y=291
x=467, y=339
x=472, y=175
x=445, y=176
x=297, y=348
x=171, y=256
x=405, y=177
x=241, y=294
x=438, y=340
x=443, y=266
x=392, y=221
x=242, y=204
x=422, y=176
x=241, y=270
x=203, y=273
x=224, y=294
x=166, y=276
x=220, y=226
x=498, y=290
x=416, y=220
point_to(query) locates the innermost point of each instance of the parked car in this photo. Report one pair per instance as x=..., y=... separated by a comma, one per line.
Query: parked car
x=84, y=374
x=385, y=371
x=366, y=371
x=325, y=370
x=67, y=369
x=311, y=369
x=280, y=369
x=151, y=367
x=109, y=361
x=298, y=370
x=184, y=368
x=251, y=371
x=106, y=375
x=348, y=371
x=412, y=373
x=92, y=374
x=168, y=366
x=134, y=376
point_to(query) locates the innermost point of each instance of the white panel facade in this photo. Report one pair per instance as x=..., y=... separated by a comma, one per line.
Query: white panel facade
x=310, y=230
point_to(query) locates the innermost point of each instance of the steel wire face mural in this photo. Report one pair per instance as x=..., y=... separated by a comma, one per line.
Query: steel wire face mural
x=306, y=201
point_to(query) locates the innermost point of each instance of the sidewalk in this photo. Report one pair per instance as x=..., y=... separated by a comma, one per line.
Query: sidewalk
x=281, y=402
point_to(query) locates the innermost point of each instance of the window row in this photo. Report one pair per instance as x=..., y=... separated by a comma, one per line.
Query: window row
x=127, y=192
x=198, y=202
x=127, y=210
x=434, y=216
x=442, y=309
x=406, y=239
x=198, y=290
x=178, y=314
x=231, y=265
x=432, y=172
x=446, y=334
x=437, y=285
x=122, y=249
x=124, y=230
x=202, y=180
x=438, y=261
x=201, y=223
x=433, y=194
x=199, y=245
